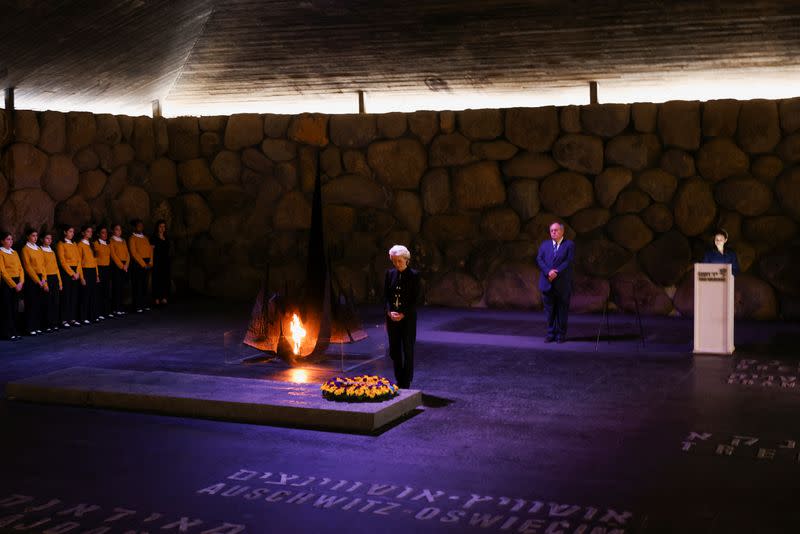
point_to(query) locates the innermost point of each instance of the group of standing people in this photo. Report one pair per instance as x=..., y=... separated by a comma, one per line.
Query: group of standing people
x=554, y=258
x=80, y=279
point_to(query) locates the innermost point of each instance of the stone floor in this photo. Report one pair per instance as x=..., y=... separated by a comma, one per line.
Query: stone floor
x=631, y=434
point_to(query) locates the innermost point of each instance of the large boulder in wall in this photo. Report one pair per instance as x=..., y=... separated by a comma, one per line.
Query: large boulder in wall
x=769, y=231
x=787, y=189
x=534, y=129
x=759, y=126
x=480, y=123
x=609, y=184
x=107, y=129
x=589, y=219
x=455, y=289
x=227, y=167
x=52, y=132
x=496, y=150
x=143, y=140
x=25, y=207
x=530, y=165
x=636, y=151
x=439, y=228
x=565, y=193
x=195, y=175
x=307, y=128
x=523, y=197
x=678, y=163
x=632, y=201
x=666, y=259
x=184, y=138
x=600, y=257
x=163, y=178
x=227, y=200
x=74, y=212
x=605, y=120
x=634, y=291
x=354, y=190
x=26, y=127
x=352, y=131
x=721, y=158
x=679, y=124
x=514, y=285
x=24, y=166
x=408, y=210
x=478, y=186
x=780, y=268
x=243, y=130
x=92, y=183
x=500, y=224
x=435, y=191
x=450, y=149
x=81, y=130
x=132, y=203
x=399, y=163
x=629, y=231
x=659, y=184
x=754, y=298
x=293, y=212
x=644, y=116
x=695, y=208
x=589, y=294
x=720, y=118
x=392, y=125
x=424, y=124
x=766, y=168
x=579, y=153
x=744, y=195
x=658, y=217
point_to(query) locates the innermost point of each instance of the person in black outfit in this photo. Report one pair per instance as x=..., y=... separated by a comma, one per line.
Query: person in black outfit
x=161, y=264
x=721, y=253
x=400, y=293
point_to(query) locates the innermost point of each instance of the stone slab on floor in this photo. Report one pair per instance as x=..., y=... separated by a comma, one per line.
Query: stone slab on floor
x=211, y=397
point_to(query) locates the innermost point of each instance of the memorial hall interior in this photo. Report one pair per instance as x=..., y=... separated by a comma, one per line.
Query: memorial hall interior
x=287, y=146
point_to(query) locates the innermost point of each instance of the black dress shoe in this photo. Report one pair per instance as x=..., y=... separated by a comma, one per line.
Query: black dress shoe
x=549, y=339
x=560, y=340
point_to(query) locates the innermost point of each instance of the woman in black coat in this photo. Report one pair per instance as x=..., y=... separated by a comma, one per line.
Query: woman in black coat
x=161, y=264
x=400, y=293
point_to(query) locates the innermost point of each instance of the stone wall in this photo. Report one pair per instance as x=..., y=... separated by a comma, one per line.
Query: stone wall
x=640, y=187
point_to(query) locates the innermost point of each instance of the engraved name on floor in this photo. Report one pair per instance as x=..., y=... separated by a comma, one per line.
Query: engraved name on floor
x=785, y=451
x=28, y=513
x=777, y=374
x=459, y=510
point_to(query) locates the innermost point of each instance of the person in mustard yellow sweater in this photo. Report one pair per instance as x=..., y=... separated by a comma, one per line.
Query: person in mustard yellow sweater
x=53, y=287
x=141, y=264
x=35, y=282
x=102, y=252
x=13, y=278
x=87, y=293
x=120, y=262
x=69, y=261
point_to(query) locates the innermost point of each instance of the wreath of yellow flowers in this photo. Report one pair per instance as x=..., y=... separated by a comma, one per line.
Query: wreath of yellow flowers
x=359, y=389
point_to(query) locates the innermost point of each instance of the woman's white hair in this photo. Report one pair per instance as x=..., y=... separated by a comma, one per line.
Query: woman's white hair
x=400, y=250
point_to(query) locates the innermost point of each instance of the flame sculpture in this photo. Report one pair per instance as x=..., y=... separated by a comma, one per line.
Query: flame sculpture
x=298, y=333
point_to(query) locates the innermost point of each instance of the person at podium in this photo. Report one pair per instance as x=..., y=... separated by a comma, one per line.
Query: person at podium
x=721, y=253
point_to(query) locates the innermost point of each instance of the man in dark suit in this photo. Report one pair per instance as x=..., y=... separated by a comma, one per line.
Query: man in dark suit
x=400, y=293
x=555, y=281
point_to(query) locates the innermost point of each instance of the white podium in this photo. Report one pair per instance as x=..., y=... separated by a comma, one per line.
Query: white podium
x=713, y=308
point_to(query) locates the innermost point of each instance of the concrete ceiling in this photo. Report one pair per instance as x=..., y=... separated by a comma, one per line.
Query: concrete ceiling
x=119, y=55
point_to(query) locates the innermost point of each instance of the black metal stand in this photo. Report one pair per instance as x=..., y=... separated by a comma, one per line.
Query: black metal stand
x=606, y=319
